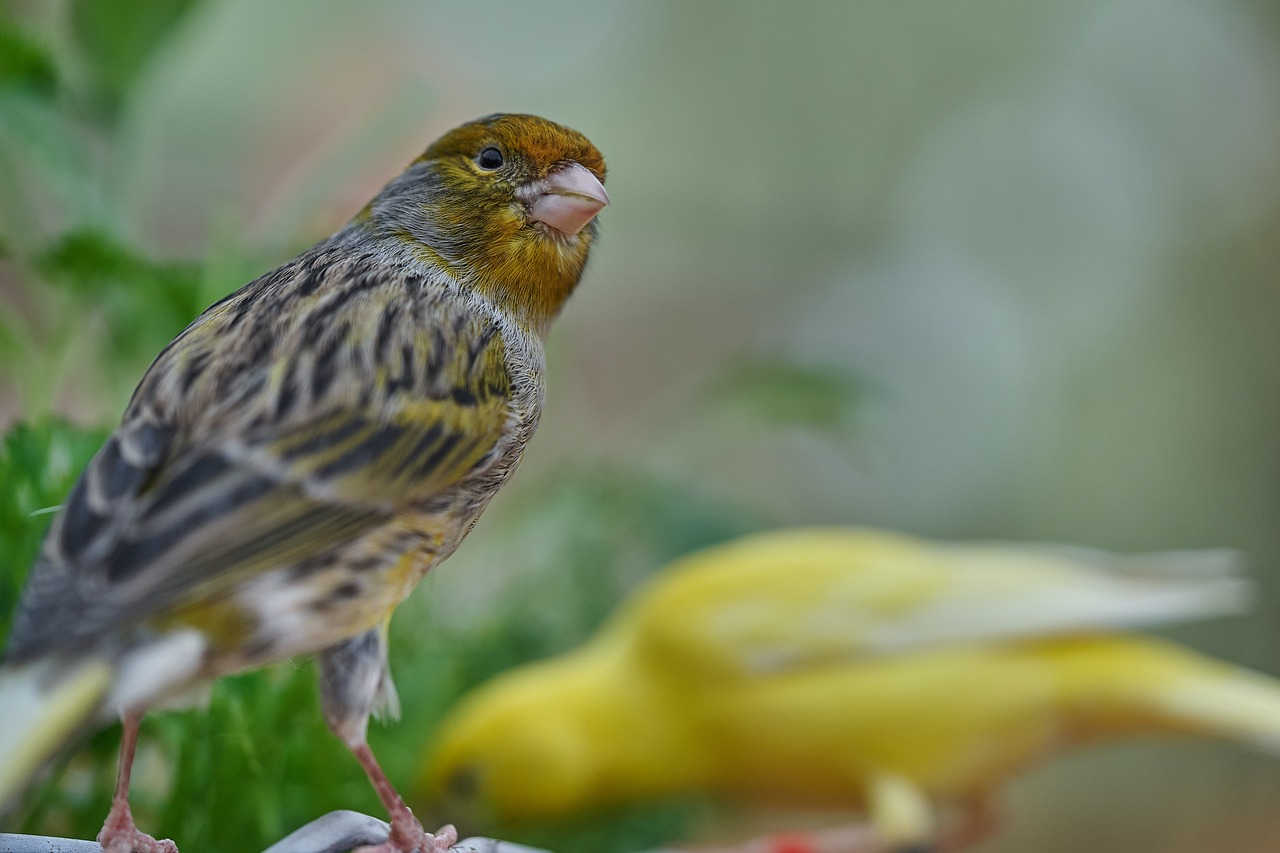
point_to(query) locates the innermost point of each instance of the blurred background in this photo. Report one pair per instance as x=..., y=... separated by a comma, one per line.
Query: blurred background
x=991, y=269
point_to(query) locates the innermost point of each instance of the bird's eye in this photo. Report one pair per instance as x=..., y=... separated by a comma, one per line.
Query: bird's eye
x=489, y=157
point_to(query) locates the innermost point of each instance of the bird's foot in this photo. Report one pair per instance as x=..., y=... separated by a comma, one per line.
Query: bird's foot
x=408, y=836
x=121, y=835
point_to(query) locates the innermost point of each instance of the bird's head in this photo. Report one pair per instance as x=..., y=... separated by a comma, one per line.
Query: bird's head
x=506, y=204
x=515, y=749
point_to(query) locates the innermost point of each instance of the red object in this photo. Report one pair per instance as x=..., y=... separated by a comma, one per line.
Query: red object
x=792, y=843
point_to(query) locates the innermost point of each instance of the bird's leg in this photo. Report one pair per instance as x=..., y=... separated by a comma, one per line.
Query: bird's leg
x=901, y=814
x=407, y=834
x=353, y=682
x=119, y=833
x=978, y=820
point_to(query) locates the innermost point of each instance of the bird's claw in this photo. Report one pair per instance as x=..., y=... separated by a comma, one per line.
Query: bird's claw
x=121, y=835
x=444, y=838
x=137, y=842
x=415, y=839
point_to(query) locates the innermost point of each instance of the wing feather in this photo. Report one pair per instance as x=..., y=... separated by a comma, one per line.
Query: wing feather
x=783, y=602
x=201, y=486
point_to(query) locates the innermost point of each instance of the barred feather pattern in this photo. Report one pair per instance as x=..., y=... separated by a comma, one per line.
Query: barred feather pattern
x=292, y=464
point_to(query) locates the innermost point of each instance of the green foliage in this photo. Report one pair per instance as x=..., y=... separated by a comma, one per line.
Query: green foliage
x=641, y=827
x=258, y=760
x=125, y=287
x=84, y=291
x=117, y=43
x=24, y=62
x=777, y=392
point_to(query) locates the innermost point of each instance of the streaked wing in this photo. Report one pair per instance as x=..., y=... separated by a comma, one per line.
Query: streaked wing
x=181, y=511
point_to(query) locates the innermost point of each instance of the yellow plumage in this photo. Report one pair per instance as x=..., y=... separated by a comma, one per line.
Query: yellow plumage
x=838, y=667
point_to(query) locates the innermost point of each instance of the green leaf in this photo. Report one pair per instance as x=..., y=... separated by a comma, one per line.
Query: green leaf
x=86, y=258
x=118, y=37
x=25, y=63
x=44, y=163
x=145, y=303
x=781, y=392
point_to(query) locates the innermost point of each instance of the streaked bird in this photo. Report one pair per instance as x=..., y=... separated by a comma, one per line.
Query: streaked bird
x=303, y=453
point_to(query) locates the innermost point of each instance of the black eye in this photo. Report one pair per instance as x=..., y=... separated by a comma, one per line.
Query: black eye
x=489, y=158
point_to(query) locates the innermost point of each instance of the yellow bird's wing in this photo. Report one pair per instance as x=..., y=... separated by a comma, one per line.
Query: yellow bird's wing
x=223, y=468
x=777, y=602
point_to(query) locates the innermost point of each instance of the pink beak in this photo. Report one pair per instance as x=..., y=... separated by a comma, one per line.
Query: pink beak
x=568, y=199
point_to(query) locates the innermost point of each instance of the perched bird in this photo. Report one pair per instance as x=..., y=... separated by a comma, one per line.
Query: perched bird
x=303, y=453
x=841, y=668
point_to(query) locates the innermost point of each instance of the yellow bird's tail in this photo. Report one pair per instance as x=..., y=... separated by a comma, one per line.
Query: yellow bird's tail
x=43, y=705
x=1115, y=684
x=1229, y=702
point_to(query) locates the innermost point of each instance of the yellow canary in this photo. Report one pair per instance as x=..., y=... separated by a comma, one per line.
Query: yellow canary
x=843, y=668
x=303, y=453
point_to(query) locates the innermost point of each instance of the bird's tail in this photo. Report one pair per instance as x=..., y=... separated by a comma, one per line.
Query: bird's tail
x=1122, y=684
x=43, y=705
x=1227, y=701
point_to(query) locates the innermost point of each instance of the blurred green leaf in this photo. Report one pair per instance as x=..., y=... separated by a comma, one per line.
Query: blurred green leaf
x=24, y=62
x=781, y=392
x=638, y=827
x=46, y=151
x=119, y=36
x=144, y=303
x=83, y=259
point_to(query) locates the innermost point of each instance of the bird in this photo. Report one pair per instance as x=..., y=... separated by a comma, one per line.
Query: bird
x=852, y=667
x=302, y=454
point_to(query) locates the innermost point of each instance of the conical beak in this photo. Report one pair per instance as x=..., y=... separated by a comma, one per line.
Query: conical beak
x=568, y=199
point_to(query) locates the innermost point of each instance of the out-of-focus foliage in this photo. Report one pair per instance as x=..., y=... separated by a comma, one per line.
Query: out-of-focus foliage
x=779, y=392
x=81, y=288
x=1012, y=266
x=116, y=44
x=24, y=62
x=122, y=287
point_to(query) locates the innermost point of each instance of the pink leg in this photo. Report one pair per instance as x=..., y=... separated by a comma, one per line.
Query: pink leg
x=120, y=834
x=407, y=834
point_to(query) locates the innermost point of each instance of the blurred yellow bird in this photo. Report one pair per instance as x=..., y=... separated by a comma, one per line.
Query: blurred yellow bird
x=303, y=453
x=854, y=667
